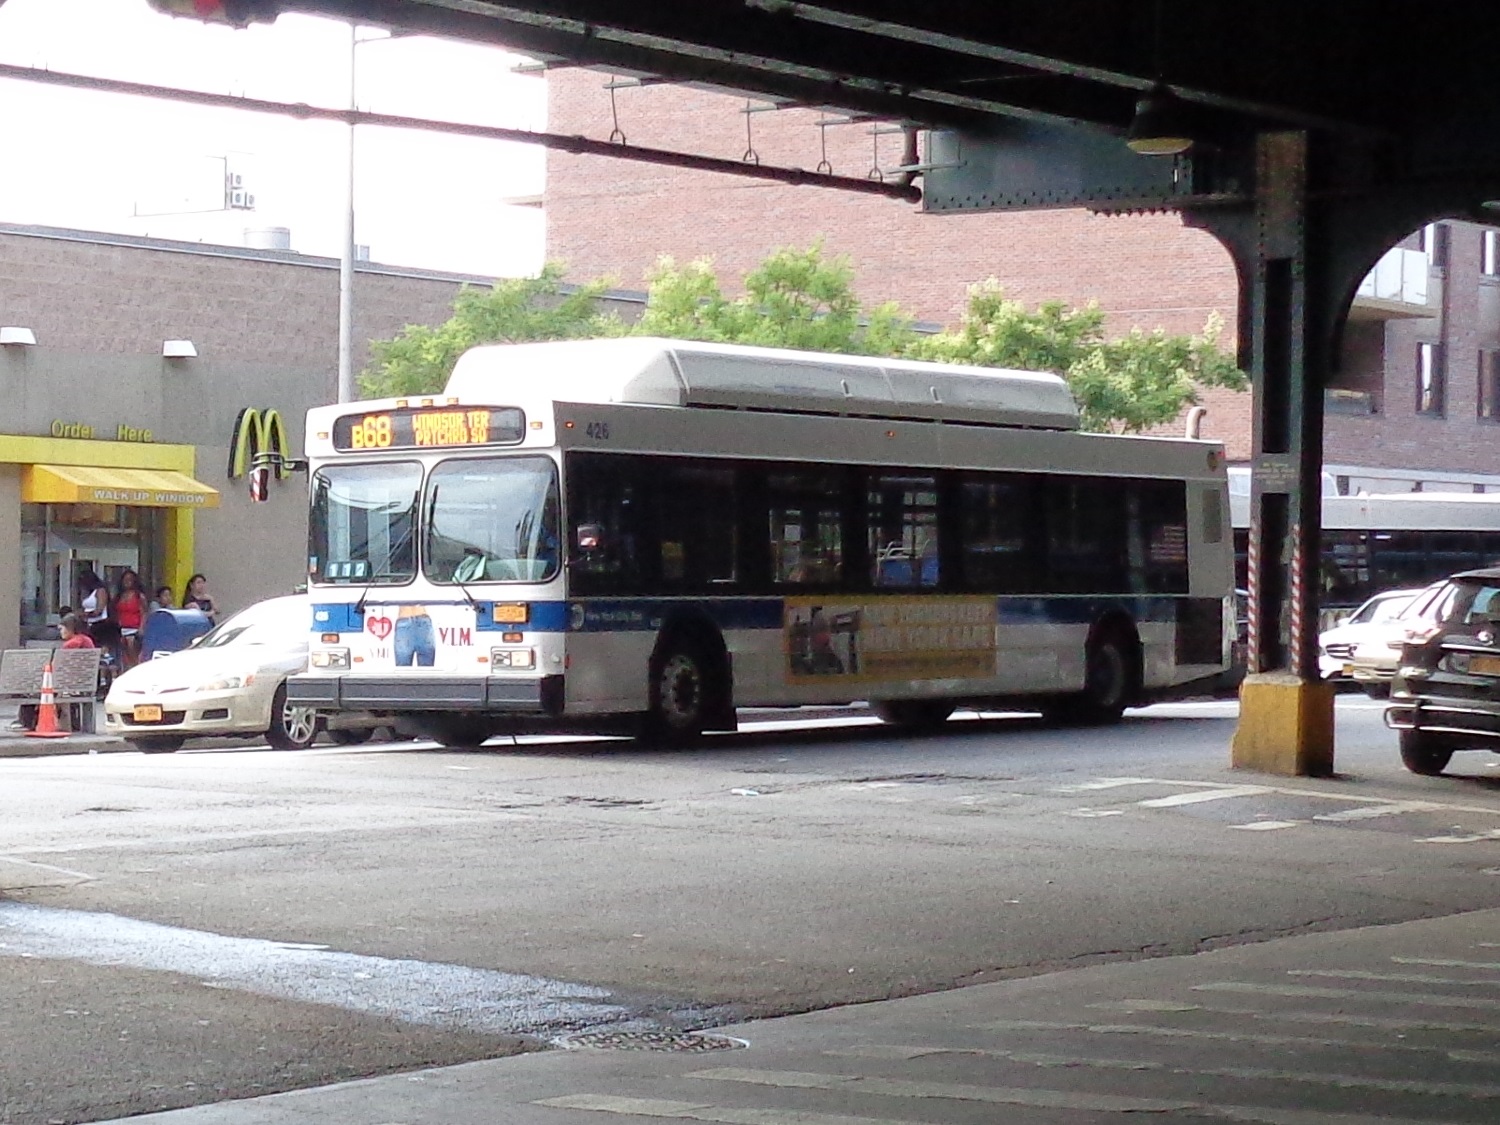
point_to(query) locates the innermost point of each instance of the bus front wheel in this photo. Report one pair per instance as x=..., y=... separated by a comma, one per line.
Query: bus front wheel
x=457, y=732
x=684, y=689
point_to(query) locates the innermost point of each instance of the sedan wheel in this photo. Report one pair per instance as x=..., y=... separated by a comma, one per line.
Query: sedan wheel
x=292, y=727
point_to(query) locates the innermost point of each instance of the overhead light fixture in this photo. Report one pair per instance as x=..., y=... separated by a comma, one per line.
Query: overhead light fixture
x=17, y=336
x=179, y=349
x=1159, y=127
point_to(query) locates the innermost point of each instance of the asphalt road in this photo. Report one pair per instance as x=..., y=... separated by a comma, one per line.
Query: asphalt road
x=222, y=923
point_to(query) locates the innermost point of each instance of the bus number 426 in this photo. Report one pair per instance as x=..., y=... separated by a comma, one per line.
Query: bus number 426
x=599, y=431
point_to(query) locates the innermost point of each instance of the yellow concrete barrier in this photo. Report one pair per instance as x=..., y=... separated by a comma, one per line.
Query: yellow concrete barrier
x=1285, y=727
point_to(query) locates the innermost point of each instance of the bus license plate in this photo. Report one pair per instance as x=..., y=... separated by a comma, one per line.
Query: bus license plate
x=1485, y=665
x=147, y=713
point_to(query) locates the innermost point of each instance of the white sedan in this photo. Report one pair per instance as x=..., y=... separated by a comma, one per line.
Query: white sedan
x=1336, y=646
x=230, y=682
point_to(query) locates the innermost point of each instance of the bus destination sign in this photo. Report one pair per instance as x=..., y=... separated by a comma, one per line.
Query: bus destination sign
x=436, y=427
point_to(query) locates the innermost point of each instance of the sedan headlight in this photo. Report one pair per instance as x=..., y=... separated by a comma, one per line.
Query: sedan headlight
x=226, y=683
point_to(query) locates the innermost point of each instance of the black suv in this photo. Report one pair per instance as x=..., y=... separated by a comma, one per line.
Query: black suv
x=1446, y=694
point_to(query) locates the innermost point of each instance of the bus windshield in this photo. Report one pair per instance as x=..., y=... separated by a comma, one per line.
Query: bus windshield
x=492, y=520
x=362, y=526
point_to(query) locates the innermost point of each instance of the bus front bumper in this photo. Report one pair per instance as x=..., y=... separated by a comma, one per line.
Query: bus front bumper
x=528, y=695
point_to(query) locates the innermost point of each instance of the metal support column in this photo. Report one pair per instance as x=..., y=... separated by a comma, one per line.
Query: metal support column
x=1286, y=711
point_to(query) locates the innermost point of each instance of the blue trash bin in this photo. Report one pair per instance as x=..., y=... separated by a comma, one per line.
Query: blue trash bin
x=171, y=630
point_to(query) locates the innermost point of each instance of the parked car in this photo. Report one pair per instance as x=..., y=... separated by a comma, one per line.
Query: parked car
x=230, y=681
x=1336, y=645
x=1373, y=662
x=1446, y=693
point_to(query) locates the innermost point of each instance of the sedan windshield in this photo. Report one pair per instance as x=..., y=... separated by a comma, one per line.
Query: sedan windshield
x=492, y=520
x=283, y=623
x=362, y=525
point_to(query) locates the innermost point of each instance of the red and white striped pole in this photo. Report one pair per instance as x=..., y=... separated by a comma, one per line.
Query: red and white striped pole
x=1252, y=597
x=1296, y=594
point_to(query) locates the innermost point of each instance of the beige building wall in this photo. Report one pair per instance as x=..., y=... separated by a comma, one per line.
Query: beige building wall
x=10, y=555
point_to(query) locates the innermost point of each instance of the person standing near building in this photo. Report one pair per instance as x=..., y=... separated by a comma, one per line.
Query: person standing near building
x=196, y=596
x=130, y=615
x=94, y=607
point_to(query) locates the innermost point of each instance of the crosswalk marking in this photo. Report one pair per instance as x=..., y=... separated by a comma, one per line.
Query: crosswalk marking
x=1463, y=838
x=1382, y=1023
x=1250, y=1073
x=1417, y=998
x=1370, y=812
x=725, y=1115
x=1203, y=795
x=1267, y=825
x=1154, y=1031
x=1447, y=963
x=697, y=1111
x=956, y=1091
x=1107, y=783
x=1400, y=978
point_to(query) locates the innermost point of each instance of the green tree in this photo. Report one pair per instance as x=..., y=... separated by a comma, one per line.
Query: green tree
x=802, y=299
x=1130, y=384
x=420, y=359
x=793, y=299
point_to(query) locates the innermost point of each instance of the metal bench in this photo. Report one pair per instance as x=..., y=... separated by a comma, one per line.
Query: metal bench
x=75, y=679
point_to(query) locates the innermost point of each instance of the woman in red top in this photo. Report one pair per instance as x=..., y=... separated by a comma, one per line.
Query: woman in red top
x=130, y=613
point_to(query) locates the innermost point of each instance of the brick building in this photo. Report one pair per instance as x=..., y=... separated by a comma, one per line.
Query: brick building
x=1430, y=312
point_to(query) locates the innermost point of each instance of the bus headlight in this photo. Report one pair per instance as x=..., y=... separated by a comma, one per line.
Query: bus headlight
x=329, y=658
x=512, y=658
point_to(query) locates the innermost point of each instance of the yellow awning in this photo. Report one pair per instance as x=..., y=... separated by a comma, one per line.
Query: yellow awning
x=89, y=484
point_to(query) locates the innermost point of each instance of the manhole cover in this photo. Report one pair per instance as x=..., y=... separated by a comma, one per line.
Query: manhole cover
x=652, y=1041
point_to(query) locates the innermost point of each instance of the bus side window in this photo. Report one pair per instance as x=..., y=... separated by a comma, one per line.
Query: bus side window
x=996, y=515
x=1086, y=542
x=698, y=523
x=902, y=516
x=806, y=528
x=605, y=513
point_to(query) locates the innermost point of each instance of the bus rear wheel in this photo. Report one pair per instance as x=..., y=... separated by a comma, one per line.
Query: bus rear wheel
x=684, y=693
x=912, y=714
x=1107, y=679
x=1108, y=682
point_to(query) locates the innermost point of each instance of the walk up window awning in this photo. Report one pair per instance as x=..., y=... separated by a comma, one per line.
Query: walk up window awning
x=88, y=484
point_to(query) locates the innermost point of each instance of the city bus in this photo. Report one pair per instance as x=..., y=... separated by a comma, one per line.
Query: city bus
x=646, y=534
x=1378, y=542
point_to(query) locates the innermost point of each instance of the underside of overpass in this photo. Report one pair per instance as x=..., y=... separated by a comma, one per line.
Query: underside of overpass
x=1319, y=135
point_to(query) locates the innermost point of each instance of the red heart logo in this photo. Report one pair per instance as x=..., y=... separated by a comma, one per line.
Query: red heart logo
x=379, y=626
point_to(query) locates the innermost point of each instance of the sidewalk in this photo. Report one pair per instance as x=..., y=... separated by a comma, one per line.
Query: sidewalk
x=1393, y=1025
x=14, y=743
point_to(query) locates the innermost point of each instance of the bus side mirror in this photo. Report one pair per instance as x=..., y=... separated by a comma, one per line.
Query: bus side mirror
x=590, y=536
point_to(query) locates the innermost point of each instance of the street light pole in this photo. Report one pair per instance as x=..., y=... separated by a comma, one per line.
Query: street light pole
x=346, y=251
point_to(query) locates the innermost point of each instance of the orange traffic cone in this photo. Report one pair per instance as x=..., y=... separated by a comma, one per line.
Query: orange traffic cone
x=46, y=712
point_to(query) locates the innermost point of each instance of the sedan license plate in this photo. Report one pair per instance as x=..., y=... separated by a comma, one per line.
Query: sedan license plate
x=1349, y=669
x=147, y=713
x=1485, y=665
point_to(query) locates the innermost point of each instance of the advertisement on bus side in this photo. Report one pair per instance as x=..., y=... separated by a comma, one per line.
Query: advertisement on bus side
x=889, y=638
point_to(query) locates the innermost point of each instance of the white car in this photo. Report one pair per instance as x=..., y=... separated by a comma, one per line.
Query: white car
x=229, y=682
x=1373, y=663
x=1336, y=645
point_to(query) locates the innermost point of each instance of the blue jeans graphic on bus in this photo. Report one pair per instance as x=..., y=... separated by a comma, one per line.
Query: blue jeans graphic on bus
x=416, y=643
